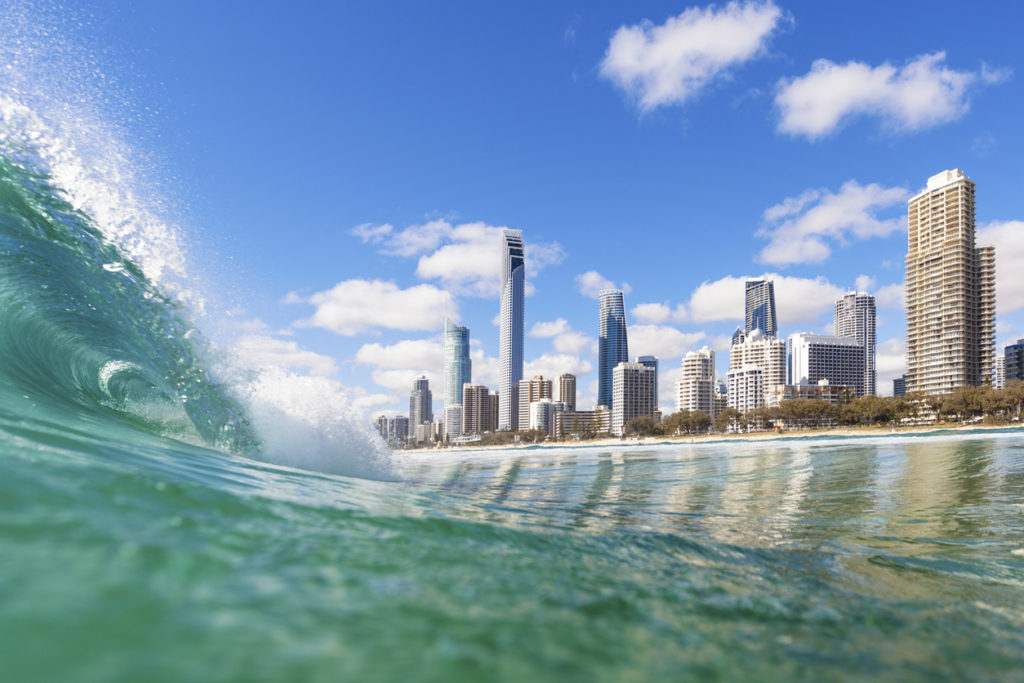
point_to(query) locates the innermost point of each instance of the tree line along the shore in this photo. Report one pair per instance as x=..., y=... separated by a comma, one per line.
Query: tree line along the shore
x=993, y=406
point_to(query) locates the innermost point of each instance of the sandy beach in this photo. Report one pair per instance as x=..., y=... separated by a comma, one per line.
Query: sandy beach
x=839, y=432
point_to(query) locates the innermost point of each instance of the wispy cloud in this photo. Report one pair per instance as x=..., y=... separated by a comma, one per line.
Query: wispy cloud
x=592, y=282
x=356, y=306
x=800, y=229
x=669, y=63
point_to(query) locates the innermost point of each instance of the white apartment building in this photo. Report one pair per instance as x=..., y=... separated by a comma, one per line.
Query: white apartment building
x=695, y=388
x=950, y=290
x=746, y=388
x=758, y=351
x=633, y=394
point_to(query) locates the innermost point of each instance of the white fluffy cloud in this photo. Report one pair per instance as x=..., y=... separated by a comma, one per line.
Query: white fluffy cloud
x=921, y=94
x=564, y=338
x=592, y=282
x=667, y=343
x=657, y=313
x=356, y=306
x=465, y=258
x=890, y=296
x=799, y=300
x=374, y=234
x=669, y=63
x=800, y=228
x=259, y=351
x=1008, y=239
x=668, y=374
x=551, y=365
x=420, y=354
x=890, y=363
x=397, y=365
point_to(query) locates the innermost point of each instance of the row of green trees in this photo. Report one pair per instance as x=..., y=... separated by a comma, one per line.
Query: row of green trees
x=971, y=403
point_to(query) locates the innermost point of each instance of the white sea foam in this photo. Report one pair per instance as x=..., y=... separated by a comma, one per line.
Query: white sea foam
x=309, y=422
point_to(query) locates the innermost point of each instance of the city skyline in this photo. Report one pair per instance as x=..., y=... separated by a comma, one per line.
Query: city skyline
x=790, y=161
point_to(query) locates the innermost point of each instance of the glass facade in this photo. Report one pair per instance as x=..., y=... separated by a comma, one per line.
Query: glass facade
x=613, y=347
x=458, y=368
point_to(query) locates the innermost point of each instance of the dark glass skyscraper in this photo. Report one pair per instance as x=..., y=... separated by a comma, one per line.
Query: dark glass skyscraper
x=612, y=345
x=760, y=314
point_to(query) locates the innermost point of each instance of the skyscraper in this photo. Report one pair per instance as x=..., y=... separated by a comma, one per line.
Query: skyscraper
x=760, y=313
x=1013, y=362
x=695, y=389
x=612, y=345
x=510, y=352
x=476, y=414
x=816, y=357
x=421, y=402
x=651, y=362
x=951, y=297
x=531, y=390
x=565, y=390
x=458, y=368
x=632, y=394
x=767, y=353
x=855, y=317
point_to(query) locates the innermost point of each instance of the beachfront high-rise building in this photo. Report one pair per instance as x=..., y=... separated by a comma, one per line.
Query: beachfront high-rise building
x=476, y=414
x=510, y=347
x=816, y=357
x=542, y=415
x=855, y=317
x=632, y=394
x=613, y=347
x=421, y=403
x=999, y=374
x=531, y=390
x=458, y=368
x=452, y=421
x=493, y=401
x=1013, y=361
x=951, y=297
x=899, y=386
x=746, y=388
x=651, y=362
x=695, y=389
x=767, y=353
x=565, y=390
x=760, y=308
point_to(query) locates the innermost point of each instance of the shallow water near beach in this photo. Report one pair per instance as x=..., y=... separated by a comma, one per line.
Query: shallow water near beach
x=150, y=560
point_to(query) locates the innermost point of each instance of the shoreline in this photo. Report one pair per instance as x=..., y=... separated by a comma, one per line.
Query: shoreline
x=839, y=432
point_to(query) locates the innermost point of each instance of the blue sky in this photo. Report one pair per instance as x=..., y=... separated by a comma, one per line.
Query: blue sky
x=339, y=170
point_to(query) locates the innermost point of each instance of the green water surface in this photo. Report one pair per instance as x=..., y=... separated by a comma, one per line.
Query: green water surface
x=861, y=559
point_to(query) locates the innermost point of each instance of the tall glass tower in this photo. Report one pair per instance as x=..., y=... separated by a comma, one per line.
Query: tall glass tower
x=510, y=352
x=458, y=368
x=612, y=345
x=761, y=307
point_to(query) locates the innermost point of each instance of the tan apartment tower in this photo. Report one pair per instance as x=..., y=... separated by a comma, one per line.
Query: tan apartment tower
x=531, y=390
x=565, y=390
x=951, y=290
